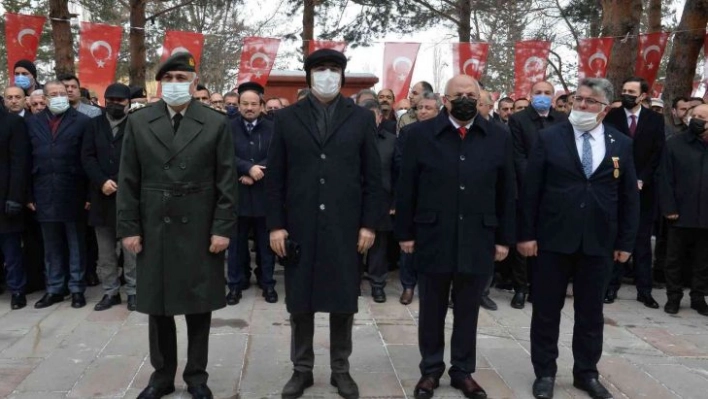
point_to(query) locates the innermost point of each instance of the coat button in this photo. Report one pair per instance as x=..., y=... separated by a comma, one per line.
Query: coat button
x=323, y=156
x=322, y=181
x=185, y=219
x=462, y=187
x=167, y=219
x=183, y=165
x=166, y=193
x=462, y=216
x=166, y=166
x=322, y=207
x=582, y=205
x=462, y=157
x=250, y=142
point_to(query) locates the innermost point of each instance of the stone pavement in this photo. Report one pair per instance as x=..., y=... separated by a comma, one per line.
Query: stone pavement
x=61, y=352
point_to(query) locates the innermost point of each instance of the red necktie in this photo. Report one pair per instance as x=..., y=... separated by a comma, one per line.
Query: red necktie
x=633, y=125
x=463, y=132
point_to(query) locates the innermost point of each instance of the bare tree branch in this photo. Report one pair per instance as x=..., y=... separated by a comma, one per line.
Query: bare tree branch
x=436, y=11
x=170, y=9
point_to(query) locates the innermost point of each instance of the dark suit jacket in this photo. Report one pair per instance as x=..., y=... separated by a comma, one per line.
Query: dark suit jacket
x=58, y=178
x=565, y=211
x=100, y=157
x=524, y=126
x=456, y=198
x=648, y=144
x=385, y=143
x=683, y=181
x=251, y=149
x=14, y=168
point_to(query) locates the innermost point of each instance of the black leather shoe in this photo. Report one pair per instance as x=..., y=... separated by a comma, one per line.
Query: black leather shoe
x=425, y=388
x=233, y=297
x=648, y=301
x=346, y=387
x=593, y=387
x=132, y=303
x=78, y=300
x=378, y=294
x=18, y=301
x=700, y=306
x=488, y=303
x=610, y=296
x=152, y=392
x=48, y=300
x=519, y=300
x=672, y=306
x=92, y=279
x=200, y=391
x=469, y=387
x=543, y=387
x=107, y=302
x=270, y=295
x=296, y=385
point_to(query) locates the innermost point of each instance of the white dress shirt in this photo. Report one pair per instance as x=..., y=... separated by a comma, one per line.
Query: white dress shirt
x=457, y=125
x=597, y=144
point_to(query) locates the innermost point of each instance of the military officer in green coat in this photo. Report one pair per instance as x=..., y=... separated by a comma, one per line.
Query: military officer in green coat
x=176, y=209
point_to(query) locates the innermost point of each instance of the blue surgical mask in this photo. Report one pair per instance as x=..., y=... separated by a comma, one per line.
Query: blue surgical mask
x=231, y=110
x=23, y=82
x=541, y=102
x=176, y=94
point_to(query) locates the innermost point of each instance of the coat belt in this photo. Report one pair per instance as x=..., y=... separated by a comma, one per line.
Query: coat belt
x=179, y=189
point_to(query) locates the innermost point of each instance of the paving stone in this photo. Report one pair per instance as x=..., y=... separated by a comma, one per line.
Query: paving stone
x=630, y=380
x=668, y=343
x=13, y=371
x=107, y=376
x=680, y=380
x=397, y=334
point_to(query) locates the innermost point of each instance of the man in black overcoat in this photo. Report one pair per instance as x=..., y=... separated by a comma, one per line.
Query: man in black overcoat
x=455, y=209
x=14, y=176
x=579, y=212
x=100, y=157
x=646, y=128
x=323, y=192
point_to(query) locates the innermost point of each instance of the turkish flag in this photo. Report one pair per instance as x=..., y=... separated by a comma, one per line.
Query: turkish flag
x=469, y=59
x=593, y=57
x=650, y=50
x=257, y=59
x=399, y=62
x=178, y=41
x=22, y=33
x=315, y=45
x=98, y=55
x=530, y=61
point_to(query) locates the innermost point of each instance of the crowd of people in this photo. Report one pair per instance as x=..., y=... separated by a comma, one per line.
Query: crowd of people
x=458, y=191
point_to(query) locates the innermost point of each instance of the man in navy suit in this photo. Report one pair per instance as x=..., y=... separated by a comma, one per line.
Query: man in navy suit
x=580, y=211
x=646, y=128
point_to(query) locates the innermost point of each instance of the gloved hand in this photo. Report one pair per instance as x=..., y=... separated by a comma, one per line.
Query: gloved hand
x=12, y=208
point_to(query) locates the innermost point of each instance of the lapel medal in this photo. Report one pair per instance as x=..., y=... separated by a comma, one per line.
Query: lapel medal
x=615, y=163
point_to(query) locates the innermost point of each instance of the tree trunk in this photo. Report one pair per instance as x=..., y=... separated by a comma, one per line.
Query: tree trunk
x=137, y=43
x=596, y=20
x=621, y=18
x=464, y=12
x=654, y=14
x=308, y=26
x=62, y=37
x=687, y=44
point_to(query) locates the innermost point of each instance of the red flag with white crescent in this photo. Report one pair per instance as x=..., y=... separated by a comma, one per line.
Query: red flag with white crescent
x=469, y=59
x=179, y=41
x=257, y=59
x=650, y=50
x=98, y=55
x=22, y=33
x=530, y=61
x=322, y=44
x=593, y=57
x=399, y=62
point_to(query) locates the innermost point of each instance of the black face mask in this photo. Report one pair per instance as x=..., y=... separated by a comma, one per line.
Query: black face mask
x=464, y=109
x=629, y=101
x=697, y=126
x=116, y=111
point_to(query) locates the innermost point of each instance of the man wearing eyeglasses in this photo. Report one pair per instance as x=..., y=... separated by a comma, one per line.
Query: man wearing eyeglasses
x=579, y=212
x=455, y=213
x=524, y=126
x=646, y=128
x=414, y=97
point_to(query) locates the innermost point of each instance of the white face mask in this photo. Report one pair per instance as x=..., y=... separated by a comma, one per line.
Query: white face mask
x=400, y=113
x=176, y=94
x=58, y=105
x=326, y=84
x=582, y=120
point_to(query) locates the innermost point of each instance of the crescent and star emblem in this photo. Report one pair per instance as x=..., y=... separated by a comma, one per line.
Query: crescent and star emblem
x=101, y=62
x=598, y=56
x=475, y=65
x=259, y=71
x=402, y=74
x=25, y=32
x=648, y=50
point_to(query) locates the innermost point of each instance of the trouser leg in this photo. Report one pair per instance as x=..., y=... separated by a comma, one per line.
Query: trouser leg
x=54, y=248
x=434, y=291
x=198, y=326
x=163, y=350
x=302, y=332
x=376, y=260
x=340, y=341
x=467, y=294
x=16, y=278
x=699, y=279
x=76, y=240
x=266, y=255
x=409, y=277
x=107, y=267
x=679, y=240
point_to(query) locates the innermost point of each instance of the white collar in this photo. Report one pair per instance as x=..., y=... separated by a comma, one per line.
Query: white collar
x=457, y=125
x=595, y=133
x=173, y=112
x=629, y=113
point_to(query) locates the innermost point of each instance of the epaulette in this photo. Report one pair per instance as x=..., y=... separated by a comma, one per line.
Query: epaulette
x=135, y=109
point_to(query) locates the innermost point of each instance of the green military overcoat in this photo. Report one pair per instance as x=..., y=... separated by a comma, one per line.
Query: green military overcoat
x=176, y=190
